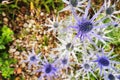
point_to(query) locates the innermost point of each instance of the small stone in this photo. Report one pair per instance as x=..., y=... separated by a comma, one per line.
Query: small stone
x=18, y=71
x=3, y=14
x=42, y=14
x=23, y=65
x=25, y=25
x=12, y=50
x=5, y=19
x=17, y=53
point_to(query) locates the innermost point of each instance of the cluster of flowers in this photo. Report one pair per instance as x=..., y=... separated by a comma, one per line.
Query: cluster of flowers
x=78, y=37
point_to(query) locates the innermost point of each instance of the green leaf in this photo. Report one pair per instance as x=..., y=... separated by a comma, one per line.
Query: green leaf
x=6, y=36
x=47, y=8
x=2, y=47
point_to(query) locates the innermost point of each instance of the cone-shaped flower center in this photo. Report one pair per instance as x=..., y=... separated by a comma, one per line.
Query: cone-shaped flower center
x=86, y=66
x=104, y=62
x=32, y=58
x=48, y=68
x=74, y=3
x=109, y=10
x=85, y=27
x=111, y=77
x=69, y=46
x=56, y=24
x=64, y=61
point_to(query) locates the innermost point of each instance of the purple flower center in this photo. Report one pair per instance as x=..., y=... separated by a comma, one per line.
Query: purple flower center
x=74, y=3
x=86, y=66
x=69, y=46
x=56, y=24
x=32, y=58
x=85, y=27
x=116, y=25
x=109, y=10
x=48, y=68
x=104, y=62
x=111, y=77
x=64, y=61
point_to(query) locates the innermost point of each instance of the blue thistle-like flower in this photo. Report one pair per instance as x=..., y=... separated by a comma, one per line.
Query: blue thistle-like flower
x=105, y=61
x=55, y=24
x=49, y=70
x=64, y=62
x=86, y=67
x=32, y=58
x=76, y=4
x=86, y=26
x=111, y=76
x=111, y=10
x=68, y=47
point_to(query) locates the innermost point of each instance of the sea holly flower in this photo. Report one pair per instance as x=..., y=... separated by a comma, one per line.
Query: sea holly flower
x=105, y=61
x=86, y=67
x=48, y=70
x=64, y=62
x=68, y=46
x=86, y=26
x=76, y=4
x=111, y=76
x=111, y=10
x=32, y=58
x=54, y=25
x=103, y=32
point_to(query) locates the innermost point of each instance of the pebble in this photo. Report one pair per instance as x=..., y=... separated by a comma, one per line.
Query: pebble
x=25, y=25
x=17, y=53
x=3, y=14
x=23, y=65
x=41, y=14
x=5, y=19
x=12, y=50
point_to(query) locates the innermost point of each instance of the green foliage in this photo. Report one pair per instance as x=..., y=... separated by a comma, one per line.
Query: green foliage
x=46, y=4
x=5, y=62
x=45, y=43
x=5, y=36
x=9, y=8
x=115, y=34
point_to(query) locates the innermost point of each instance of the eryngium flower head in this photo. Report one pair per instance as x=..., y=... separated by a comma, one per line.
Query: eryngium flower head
x=68, y=45
x=105, y=61
x=76, y=4
x=111, y=10
x=86, y=67
x=55, y=25
x=32, y=58
x=112, y=75
x=64, y=62
x=86, y=26
x=49, y=70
